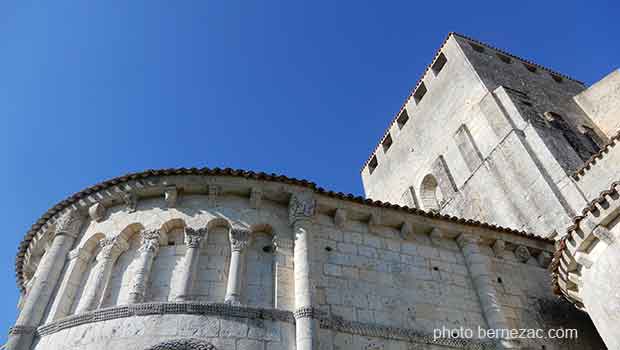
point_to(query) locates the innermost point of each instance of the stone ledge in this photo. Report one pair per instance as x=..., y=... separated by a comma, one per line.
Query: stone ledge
x=335, y=323
x=145, y=309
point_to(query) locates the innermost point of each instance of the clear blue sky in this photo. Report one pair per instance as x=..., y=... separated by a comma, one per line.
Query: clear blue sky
x=94, y=89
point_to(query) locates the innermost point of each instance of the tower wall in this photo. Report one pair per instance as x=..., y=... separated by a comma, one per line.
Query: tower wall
x=494, y=138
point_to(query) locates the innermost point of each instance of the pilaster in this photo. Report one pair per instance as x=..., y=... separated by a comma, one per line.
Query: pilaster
x=239, y=241
x=193, y=239
x=67, y=228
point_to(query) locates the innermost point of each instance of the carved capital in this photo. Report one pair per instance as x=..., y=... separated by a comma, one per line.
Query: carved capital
x=79, y=253
x=239, y=239
x=193, y=237
x=111, y=248
x=301, y=207
x=149, y=241
x=69, y=223
x=522, y=253
x=97, y=212
x=171, y=195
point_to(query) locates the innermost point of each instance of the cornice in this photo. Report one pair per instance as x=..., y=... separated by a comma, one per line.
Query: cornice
x=74, y=200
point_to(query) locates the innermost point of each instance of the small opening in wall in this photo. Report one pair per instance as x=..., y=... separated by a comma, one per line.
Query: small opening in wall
x=372, y=165
x=328, y=249
x=435, y=268
x=476, y=47
x=402, y=118
x=543, y=347
x=439, y=63
x=387, y=142
x=557, y=78
x=419, y=93
x=268, y=249
x=171, y=242
x=503, y=58
x=499, y=280
x=531, y=68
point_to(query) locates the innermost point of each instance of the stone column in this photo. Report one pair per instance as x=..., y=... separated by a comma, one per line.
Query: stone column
x=78, y=262
x=301, y=212
x=479, y=267
x=239, y=240
x=45, y=280
x=147, y=252
x=184, y=288
x=111, y=249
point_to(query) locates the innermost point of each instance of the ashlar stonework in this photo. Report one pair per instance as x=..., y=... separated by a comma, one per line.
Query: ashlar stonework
x=229, y=259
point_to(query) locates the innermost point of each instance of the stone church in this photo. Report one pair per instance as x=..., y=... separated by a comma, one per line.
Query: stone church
x=492, y=203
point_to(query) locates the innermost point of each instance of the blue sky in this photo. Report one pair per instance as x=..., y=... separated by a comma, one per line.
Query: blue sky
x=94, y=89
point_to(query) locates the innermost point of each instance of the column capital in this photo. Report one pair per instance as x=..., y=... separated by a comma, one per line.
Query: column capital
x=193, y=236
x=239, y=239
x=111, y=248
x=149, y=241
x=69, y=224
x=79, y=253
x=302, y=206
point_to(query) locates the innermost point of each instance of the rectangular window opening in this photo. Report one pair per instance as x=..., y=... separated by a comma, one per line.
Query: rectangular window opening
x=402, y=119
x=387, y=142
x=439, y=63
x=503, y=58
x=419, y=93
x=476, y=47
x=372, y=165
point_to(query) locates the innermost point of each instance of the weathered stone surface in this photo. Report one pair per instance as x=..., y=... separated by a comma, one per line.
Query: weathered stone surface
x=237, y=260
